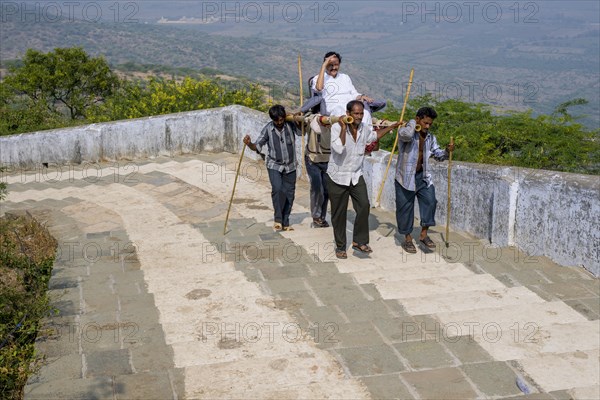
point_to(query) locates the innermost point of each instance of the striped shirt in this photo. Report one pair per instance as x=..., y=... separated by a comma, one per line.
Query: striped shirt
x=408, y=155
x=281, y=154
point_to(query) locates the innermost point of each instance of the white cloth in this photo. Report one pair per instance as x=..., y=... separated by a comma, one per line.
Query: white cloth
x=345, y=164
x=336, y=93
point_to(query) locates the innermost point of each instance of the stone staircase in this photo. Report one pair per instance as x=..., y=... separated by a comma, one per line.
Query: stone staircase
x=155, y=302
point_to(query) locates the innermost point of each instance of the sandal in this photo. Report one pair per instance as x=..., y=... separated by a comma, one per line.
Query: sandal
x=363, y=248
x=428, y=242
x=277, y=226
x=287, y=228
x=341, y=254
x=319, y=223
x=409, y=247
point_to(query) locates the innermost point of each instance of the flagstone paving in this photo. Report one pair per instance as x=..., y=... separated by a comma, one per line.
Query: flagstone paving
x=154, y=301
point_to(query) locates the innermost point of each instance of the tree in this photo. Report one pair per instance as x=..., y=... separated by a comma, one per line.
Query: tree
x=159, y=96
x=20, y=114
x=63, y=79
x=562, y=110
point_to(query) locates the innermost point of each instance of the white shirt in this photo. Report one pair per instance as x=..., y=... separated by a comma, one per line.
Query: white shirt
x=345, y=164
x=337, y=92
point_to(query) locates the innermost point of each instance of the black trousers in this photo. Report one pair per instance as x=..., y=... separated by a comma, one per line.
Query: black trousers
x=338, y=196
x=283, y=191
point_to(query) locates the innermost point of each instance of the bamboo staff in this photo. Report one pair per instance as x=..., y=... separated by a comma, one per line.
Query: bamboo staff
x=301, y=102
x=449, y=177
x=323, y=119
x=233, y=191
x=410, y=79
x=332, y=119
x=297, y=118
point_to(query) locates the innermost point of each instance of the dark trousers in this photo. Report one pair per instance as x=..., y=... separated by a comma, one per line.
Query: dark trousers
x=283, y=191
x=338, y=194
x=405, y=205
x=318, y=188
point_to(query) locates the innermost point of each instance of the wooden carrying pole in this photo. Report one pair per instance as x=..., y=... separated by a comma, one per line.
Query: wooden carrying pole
x=410, y=79
x=323, y=119
x=448, y=210
x=332, y=119
x=233, y=191
x=301, y=102
x=295, y=118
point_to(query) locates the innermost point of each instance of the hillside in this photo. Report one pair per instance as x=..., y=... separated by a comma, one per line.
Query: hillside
x=507, y=64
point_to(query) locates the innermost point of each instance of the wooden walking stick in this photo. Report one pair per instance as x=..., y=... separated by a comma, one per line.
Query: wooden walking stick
x=448, y=210
x=410, y=79
x=301, y=102
x=233, y=191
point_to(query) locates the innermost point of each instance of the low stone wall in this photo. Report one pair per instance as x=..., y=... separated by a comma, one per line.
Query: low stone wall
x=542, y=212
x=213, y=130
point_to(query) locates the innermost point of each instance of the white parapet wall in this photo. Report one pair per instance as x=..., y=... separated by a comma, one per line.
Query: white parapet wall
x=212, y=130
x=547, y=213
x=542, y=212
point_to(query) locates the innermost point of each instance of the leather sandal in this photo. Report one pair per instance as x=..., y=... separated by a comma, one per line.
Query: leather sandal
x=319, y=223
x=409, y=247
x=428, y=242
x=341, y=254
x=363, y=248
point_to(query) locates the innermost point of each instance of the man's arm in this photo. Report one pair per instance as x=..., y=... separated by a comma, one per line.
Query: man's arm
x=321, y=77
x=263, y=138
x=296, y=128
x=248, y=142
x=437, y=153
x=338, y=138
x=407, y=132
x=356, y=94
x=382, y=132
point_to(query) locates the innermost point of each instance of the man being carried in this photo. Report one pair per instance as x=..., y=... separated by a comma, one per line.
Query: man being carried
x=330, y=92
x=336, y=88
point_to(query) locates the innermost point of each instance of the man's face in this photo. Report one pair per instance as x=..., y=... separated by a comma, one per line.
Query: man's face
x=333, y=67
x=425, y=123
x=357, y=114
x=279, y=122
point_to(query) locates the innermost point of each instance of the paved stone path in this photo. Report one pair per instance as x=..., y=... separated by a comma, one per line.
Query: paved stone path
x=155, y=302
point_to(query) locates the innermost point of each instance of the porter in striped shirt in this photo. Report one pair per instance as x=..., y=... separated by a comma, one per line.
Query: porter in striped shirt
x=279, y=139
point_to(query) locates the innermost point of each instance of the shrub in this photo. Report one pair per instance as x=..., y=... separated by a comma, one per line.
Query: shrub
x=26, y=260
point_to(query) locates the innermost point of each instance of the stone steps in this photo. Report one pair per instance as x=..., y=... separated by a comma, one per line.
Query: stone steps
x=436, y=285
x=404, y=325
x=541, y=314
x=559, y=371
x=470, y=300
x=531, y=340
x=404, y=272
